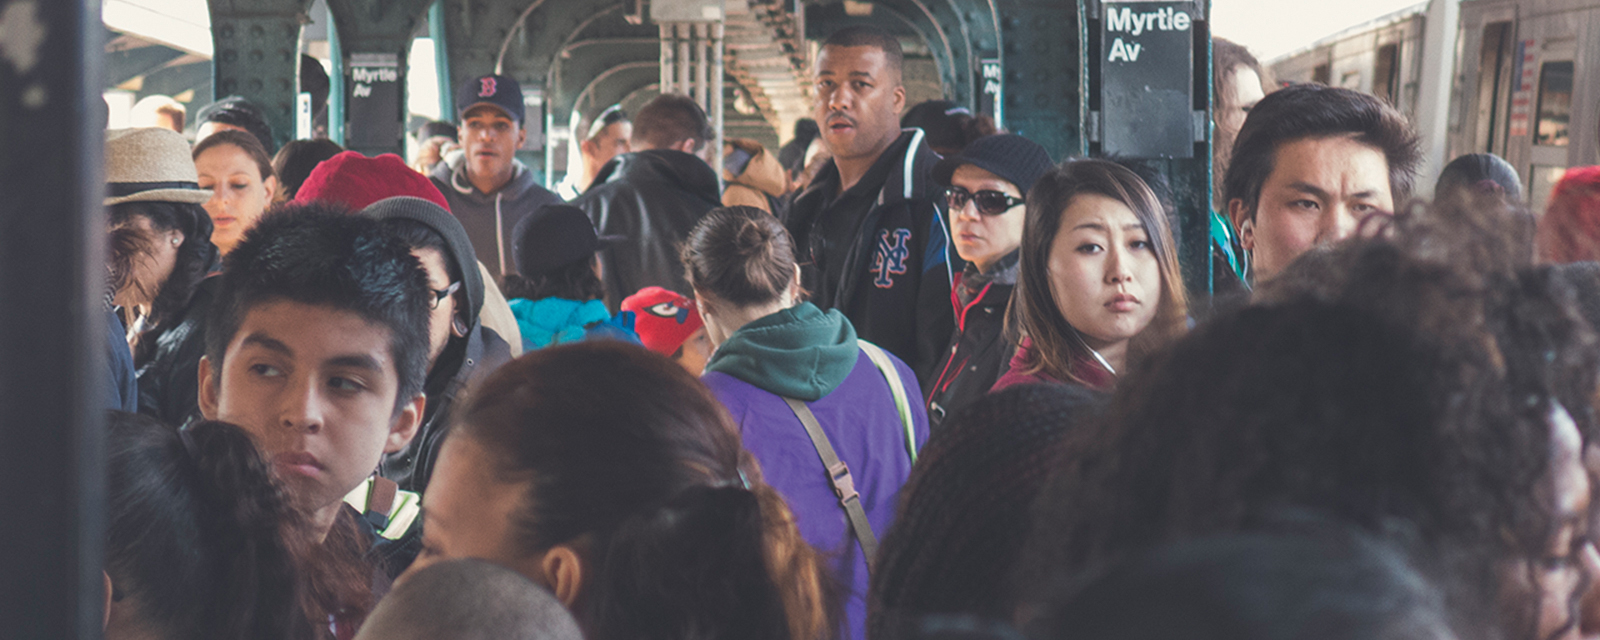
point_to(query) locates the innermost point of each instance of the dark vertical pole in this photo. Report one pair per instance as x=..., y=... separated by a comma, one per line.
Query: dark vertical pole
x=51, y=380
x=1044, y=79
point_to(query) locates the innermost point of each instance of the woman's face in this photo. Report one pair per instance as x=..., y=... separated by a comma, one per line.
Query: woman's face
x=1103, y=271
x=468, y=512
x=151, y=267
x=239, y=195
x=1570, y=562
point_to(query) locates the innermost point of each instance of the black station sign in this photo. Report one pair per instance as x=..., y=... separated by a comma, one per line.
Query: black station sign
x=1147, y=79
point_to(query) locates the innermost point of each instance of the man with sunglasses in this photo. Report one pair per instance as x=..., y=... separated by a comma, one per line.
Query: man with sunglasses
x=985, y=191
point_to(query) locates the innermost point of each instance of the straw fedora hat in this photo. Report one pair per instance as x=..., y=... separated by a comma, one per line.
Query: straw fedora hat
x=150, y=165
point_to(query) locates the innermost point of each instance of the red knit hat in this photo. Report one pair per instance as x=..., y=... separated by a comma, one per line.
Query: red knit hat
x=354, y=180
x=663, y=319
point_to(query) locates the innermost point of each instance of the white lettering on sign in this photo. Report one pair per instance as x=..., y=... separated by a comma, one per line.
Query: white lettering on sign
x=1167, y=19
x=362, y=90
x=1125, y=52
x=377, y=74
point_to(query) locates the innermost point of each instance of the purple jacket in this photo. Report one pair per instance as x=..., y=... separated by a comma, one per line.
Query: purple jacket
x=858, y=414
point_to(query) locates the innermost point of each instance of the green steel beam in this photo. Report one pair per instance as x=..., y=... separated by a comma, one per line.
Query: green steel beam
x=256, y=55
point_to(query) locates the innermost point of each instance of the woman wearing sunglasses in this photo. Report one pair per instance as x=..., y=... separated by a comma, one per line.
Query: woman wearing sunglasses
x=1098, y=284
x=984, y=193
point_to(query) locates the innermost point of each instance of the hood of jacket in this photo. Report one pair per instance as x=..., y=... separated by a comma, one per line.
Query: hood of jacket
x=454, y=174
x=549, y=321
x=762, y=173
x=458, y=248
x=676, y=169
x=801, y=352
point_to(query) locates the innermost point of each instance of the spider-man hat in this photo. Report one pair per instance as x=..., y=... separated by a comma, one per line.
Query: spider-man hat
x=664, y=319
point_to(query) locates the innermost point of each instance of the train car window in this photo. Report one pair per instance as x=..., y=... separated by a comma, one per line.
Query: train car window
x=1555, y=104
x=1386, y=74
x=1494, y=86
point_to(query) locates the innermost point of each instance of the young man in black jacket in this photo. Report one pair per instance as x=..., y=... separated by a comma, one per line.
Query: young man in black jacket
x=873, y=240
x=652, y=197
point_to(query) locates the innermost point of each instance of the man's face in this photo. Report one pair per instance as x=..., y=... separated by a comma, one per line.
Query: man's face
x=858, y=102
x=612, y=141
x=1320, y=191
x=491, y=139
x=315, y=387
x=1240, y=93
x=445, y=310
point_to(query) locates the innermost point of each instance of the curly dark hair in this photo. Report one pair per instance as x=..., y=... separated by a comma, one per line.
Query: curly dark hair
x=964, y=516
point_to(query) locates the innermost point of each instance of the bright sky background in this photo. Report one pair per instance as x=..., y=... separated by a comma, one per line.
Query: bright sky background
x=1271, y=28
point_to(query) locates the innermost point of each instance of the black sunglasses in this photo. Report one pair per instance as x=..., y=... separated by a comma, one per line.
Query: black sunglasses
x=990, y=203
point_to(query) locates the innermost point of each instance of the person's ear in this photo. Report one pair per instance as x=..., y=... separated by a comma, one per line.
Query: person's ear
x=271, y=185
x=522, y=136
x=1245, y=225
x=458, y=325
x=406, y=424
x=208, y=389
x=589, y=148
x=687, y=146
x=794, y=284
x=564, y=573
x=899, y=98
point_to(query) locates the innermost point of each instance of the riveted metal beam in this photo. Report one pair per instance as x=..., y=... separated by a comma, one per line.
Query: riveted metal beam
x=1044, y=80
x=474, y=31
x=256, y=55
x=375, y=31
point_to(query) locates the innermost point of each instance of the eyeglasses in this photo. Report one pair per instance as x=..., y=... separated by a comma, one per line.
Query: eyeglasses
x=440, y=294
x=990, y=203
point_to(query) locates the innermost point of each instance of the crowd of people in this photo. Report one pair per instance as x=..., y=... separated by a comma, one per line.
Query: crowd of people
x=907, y=377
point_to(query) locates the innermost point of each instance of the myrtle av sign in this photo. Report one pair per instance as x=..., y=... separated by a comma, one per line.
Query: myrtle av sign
x=1147, y=79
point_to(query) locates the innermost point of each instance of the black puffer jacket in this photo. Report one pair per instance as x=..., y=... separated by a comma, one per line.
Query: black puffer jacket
x=168, y=374
x=979, y=352
x=653, y=199
x=464, y=360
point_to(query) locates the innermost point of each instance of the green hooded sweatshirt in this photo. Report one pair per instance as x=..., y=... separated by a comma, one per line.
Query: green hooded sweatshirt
x=801, y=352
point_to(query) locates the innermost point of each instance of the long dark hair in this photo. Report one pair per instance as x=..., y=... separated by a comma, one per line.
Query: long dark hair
x=199, y=534
x=196, y=257
x=623, y=449
x=576, y=281
x=1034, y=311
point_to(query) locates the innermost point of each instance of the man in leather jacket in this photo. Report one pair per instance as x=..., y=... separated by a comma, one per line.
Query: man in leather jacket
x=652, y=197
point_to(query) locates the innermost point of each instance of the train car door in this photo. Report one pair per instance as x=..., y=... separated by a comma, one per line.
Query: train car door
x=1550, y=125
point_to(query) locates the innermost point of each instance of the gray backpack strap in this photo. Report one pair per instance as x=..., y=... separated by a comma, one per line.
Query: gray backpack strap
x=839, y=476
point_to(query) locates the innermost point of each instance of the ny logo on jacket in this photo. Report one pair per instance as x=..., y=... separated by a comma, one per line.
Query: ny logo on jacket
x=890, y=257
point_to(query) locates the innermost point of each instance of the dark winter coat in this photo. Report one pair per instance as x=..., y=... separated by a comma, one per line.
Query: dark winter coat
x=979, y=351
x=652, y=199
x=169, y=383
x=879, y=252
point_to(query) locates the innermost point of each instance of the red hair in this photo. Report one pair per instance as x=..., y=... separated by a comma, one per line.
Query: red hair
x=1570, y=228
